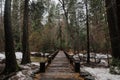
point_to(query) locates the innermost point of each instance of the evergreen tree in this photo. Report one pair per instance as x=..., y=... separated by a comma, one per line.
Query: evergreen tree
x=25, y=38
x=113, y=9
x=10, y=62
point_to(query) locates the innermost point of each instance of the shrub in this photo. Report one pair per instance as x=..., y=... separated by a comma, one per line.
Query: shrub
x=115, y=66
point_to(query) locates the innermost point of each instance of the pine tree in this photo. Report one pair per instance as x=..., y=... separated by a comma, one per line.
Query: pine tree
x=10, y=62
x=25, y=38
x=113, y=10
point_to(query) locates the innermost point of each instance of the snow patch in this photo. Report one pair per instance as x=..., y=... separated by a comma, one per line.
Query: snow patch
x=35, y=63
x=102, y=56
x=26, y=73
x=102, y=73
x=33, y=52
x=20, y=74
x=18, y=55
x=2, y=56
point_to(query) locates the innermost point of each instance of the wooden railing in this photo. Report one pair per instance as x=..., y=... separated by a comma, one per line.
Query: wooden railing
x=44, y=64
x=75, y=63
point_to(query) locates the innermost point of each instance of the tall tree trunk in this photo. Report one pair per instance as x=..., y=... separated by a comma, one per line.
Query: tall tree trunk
x=61, y=47
x=10, y=62
x=112, y=8
x=25, y=38
x=118, y=13
x=1, y=10
x=87, y=25
x=1, y=27
x=16, y=26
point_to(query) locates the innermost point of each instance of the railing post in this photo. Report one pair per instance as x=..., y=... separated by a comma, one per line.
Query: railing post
x=49, y=59
x=71, y=60
x=42, y=67
x=77, y=66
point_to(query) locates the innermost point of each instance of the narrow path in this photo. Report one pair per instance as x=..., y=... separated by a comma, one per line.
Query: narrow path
x=60, y=69
x=60, y=64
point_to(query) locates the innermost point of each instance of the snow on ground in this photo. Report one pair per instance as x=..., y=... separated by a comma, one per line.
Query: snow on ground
x=27, y=72
x=102, y=73
x=97, y=55
x=33, y=52
x=98, y=73
x=2, y=56
x=35, y=63
x=102, y=55
x=18, y=55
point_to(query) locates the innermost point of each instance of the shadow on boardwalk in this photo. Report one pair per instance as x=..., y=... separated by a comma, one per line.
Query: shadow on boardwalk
x=59, y=69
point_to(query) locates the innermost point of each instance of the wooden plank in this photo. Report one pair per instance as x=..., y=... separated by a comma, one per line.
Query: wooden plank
x=60, y=69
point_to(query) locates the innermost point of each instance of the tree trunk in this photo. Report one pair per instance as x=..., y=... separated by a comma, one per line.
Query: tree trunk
x=87, y=25
x=118, y=13
x=25, y=38
x=61, y=47
x=1, y=27
x=16, y=26
x=10, y=62
x=112, y=18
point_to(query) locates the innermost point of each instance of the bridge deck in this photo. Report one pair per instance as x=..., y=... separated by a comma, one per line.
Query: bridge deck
x=60, y=69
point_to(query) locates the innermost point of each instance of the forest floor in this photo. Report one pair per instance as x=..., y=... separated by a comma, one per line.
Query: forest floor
x=100, y=70
x=101, y=73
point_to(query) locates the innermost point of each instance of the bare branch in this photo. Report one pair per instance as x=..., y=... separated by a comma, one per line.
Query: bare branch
x=61, y=2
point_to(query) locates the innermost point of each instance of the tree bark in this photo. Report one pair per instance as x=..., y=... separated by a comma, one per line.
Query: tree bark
x=25, y=38
x=10, y=62
x=112, y=9
x=87, y=25
x=118, y=13
x=16, y=26
x=1, y=27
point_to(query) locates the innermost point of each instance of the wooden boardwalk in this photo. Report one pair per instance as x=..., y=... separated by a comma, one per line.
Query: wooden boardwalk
x=60, y=69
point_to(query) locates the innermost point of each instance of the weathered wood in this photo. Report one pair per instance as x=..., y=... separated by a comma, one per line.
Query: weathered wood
x=49, y=59
x=60, y=69
x=42, y=67
x=77, y=66
x=60, y=64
